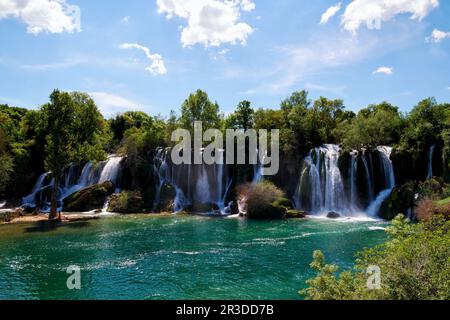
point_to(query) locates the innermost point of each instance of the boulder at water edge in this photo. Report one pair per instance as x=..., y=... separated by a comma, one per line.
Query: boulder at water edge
x=333, y=215
x=126, y=202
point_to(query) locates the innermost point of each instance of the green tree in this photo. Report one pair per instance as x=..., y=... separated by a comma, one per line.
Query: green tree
x=58, y=120
x=242, y=118
x=198, y=107
x=122, y=122
x=71, y=125
x=375, y=125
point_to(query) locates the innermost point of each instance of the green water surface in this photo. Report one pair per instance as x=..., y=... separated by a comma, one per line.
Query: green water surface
x=138, y=257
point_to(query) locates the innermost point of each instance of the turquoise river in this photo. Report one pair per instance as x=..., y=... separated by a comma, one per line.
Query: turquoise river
x=141, y=257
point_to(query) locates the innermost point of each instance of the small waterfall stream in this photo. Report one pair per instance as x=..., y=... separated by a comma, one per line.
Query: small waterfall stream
x=430, y=162
x=388, y=169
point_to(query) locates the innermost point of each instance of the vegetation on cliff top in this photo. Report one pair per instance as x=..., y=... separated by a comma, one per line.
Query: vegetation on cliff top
x=70, y=129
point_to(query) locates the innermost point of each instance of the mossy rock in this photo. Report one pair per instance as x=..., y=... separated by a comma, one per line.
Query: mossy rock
x=89, y=199
x=295, y=214
x=126, y=202
x=400, y=200
x=333, y=215
x=166, y=198
x=283, y=202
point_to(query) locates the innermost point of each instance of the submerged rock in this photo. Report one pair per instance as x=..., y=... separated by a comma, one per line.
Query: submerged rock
x=333, y=215
x=90, y=198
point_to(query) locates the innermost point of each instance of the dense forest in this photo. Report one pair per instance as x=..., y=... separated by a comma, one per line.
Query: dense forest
x=70, y=129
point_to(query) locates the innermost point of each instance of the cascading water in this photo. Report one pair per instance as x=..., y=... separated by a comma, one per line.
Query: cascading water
x=73, y=181
x=369, y=174
x=40, y=184
x=194, y=184
x=321, y=187
x=353, y=175
x=430, y=162
x=388, y=169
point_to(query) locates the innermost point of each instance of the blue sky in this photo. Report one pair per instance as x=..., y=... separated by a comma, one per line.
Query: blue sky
x=150, y=54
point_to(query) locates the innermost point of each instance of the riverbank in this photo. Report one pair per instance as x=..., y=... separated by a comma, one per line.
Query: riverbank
x=76, y=217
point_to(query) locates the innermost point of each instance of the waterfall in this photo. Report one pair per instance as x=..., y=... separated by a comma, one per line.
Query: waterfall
x=353, y=175
x=385, y=157
x=258, y=168
x=320, y=189
x=369, y=175
x=430, y=162
x=72, y=182
x=194, y=184
x=163, y=175
x=257, y=173
x=30, y=200
x=321, y=182
x=111, y=170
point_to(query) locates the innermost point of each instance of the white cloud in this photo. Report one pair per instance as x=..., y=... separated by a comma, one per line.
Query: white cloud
x=437, y=36
x=373, y=12
x=157, y=67
x=248, y=5
x=330, y=13
x=384, y=70
x=125, y=19
x=323, y=53
x=209, y=22
x=52, y=16
x=112, y=104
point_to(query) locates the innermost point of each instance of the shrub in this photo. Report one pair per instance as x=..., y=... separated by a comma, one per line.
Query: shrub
x=260, y=199
x=431, y=188
x=428, y=208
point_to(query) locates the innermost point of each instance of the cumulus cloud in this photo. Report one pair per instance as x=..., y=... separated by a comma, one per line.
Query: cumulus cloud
x=112, y=104
x=437, y=36
x=331, y=12
x=373, y=12
x=157, y=67
x=209, y=22
x=52, y=16
x=384, y=70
